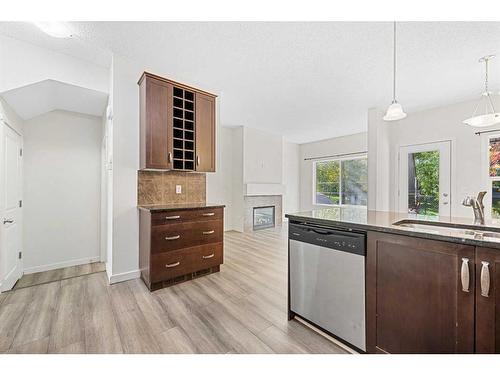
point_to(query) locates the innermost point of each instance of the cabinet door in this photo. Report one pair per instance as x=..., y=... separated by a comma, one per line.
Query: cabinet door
x=158, y=124
x=205, y=133
x=420, y=295
x=487, y=300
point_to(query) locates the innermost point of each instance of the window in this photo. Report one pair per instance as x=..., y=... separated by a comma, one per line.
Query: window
x=341, y=182
x=494, y=175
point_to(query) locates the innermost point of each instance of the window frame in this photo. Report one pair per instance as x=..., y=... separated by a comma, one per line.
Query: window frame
x=488, y=180
x=339, y=159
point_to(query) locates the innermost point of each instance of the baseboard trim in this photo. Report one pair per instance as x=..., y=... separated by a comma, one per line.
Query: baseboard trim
x=54, y=266
x=124, y=276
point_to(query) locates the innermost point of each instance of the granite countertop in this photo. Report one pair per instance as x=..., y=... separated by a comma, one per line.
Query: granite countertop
x=178, y=206
x=461, y=230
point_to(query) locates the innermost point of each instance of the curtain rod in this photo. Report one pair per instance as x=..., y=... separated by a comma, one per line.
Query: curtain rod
x=336, y=156
x=487, y=131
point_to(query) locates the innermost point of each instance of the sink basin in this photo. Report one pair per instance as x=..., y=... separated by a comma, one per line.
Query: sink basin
x=449, y=229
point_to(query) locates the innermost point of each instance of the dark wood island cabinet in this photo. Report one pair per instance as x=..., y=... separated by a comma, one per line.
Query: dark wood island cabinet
x=427, y=296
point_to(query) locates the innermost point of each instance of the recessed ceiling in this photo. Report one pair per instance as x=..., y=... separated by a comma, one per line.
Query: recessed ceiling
x=306, y=80
x=49, y=95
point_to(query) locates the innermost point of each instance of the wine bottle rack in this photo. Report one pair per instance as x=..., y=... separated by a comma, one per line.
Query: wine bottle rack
x=183, y=129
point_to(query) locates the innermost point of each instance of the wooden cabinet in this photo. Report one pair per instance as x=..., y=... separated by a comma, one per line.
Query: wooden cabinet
x=420, y=295
x=177, y=125
x=177, y=245
x=487, y=300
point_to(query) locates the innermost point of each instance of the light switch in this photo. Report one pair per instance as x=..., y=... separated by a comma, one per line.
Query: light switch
x=178, y=189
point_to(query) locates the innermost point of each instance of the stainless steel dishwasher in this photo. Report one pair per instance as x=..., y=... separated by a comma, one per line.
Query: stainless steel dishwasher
x=327, y=280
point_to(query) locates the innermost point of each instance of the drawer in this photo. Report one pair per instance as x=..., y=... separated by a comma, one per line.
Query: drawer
x=171, y=264
x=177, y=236
x=182, y=216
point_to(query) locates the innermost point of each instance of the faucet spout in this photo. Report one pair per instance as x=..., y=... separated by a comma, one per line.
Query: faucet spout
x=477, y=207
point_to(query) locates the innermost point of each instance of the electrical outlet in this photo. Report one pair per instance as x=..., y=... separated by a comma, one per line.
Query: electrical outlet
x=178, y=189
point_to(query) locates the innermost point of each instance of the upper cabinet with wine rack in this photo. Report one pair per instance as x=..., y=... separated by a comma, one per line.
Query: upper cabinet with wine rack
x=177, y=126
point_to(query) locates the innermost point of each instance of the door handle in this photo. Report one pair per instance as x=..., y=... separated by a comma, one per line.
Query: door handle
x=209, y=232
x=445, y=194
x=464, y=275
x=170, y=157
x=208, y=214
x=485, y=279
x=208, y=256
x=197, y=160
x=8, y=221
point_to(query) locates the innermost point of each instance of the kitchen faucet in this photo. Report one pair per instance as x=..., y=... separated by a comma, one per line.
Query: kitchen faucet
x=477, y=207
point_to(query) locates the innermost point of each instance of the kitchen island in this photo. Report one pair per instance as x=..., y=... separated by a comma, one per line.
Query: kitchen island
x=431, y=283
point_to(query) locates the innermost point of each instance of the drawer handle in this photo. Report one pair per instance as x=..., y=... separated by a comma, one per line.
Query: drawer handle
x=208, y=256
x=172, y=217
x=173, y=238
x=209, y=232
x=485, y=279
x=464, y=275
x=209, y=214
x=171, y=265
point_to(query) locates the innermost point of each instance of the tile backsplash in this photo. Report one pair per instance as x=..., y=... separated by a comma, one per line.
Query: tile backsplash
x=154, y=187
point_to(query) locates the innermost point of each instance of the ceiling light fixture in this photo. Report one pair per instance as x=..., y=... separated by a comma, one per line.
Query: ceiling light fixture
x=490, y=116
x=395, y=110
x=55, y=29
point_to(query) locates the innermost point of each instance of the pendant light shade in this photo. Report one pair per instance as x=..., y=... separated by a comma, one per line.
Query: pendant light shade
x=490, y=116
x=395, y=110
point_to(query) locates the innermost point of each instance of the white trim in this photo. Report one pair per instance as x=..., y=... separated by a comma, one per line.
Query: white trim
x=54, y=266
x=9, y=281
x=124, y=276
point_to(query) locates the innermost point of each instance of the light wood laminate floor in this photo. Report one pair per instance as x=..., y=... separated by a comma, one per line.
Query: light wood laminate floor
x=241, y=309
x=59, y=274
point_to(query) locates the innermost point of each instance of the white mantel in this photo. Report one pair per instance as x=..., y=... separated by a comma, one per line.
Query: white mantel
x=255, y=189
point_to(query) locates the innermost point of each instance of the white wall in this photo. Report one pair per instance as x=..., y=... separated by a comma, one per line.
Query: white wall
x=262, y=157
x=23, y=63
x=291, y=177
x=62, y=158
x=333, y=146
x=438, y=124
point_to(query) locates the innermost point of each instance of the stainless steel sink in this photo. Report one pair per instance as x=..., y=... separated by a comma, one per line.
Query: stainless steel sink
x=450, y=229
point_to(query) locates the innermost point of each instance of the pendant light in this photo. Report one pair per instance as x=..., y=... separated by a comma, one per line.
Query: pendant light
x=395, y=111
x=490, y=116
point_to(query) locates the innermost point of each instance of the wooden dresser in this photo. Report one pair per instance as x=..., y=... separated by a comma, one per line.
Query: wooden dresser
x=179, y=242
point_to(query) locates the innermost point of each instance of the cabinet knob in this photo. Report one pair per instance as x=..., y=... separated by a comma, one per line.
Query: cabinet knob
x=172, y=217
x=170, y=157
x=197, y=160
x=208, y=256
x=209, y=232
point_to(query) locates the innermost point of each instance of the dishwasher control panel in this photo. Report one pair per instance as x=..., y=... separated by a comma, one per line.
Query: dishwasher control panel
x=338, y=239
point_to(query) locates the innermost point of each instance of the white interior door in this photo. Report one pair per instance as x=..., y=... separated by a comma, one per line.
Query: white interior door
x=10, y=225
x=424, y=179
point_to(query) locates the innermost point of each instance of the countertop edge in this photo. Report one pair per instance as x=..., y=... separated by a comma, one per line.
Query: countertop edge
x=395, y=230
x=166, y=209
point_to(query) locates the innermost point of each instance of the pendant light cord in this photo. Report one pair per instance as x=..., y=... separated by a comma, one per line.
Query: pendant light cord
x=394, y=66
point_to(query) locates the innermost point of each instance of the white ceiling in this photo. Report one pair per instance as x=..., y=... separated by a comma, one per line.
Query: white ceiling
x=305, y=80
x=48, y=95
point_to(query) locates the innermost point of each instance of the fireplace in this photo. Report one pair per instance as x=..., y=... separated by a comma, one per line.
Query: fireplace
x=263, y=217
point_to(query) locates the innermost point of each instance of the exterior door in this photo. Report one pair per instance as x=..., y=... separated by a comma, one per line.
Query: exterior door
x=419, y=296
x=424, y=179
x=10, y=225
x=487, y=300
